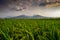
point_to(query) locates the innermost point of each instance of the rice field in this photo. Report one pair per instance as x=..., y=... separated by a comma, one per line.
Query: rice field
x=29, y=29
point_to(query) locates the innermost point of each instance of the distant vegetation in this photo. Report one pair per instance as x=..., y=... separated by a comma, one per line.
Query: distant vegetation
x=29, y=29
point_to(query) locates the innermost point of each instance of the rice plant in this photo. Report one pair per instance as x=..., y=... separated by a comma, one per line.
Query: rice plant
x=29, y=29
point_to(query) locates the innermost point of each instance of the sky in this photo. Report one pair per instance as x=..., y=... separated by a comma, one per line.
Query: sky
x=27, y=8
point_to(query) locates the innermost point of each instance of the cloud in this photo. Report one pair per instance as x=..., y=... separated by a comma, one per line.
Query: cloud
x=26, y=7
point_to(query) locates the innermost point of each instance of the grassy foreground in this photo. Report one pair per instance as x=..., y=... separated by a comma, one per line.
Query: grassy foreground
x=29, y=29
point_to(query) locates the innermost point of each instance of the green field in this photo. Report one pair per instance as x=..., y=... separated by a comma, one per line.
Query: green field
x=29, y=29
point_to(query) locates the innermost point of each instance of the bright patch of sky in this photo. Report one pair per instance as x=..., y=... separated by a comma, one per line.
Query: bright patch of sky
x=48, y=12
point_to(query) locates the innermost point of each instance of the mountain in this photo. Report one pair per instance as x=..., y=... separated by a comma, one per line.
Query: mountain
x=38, y=16
x=29, y=17
x=19, y=5
x=22, y=16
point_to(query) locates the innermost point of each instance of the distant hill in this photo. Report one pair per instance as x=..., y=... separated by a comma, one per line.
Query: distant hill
x=38, y=16
x=32, y=17
x=21, y=16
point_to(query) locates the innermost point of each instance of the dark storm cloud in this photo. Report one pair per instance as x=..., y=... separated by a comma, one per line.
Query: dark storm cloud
x=3, y=2
x=17, y=4
x=19, y=7
x=23, y=4
x=3, y=5
x=31, y=2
